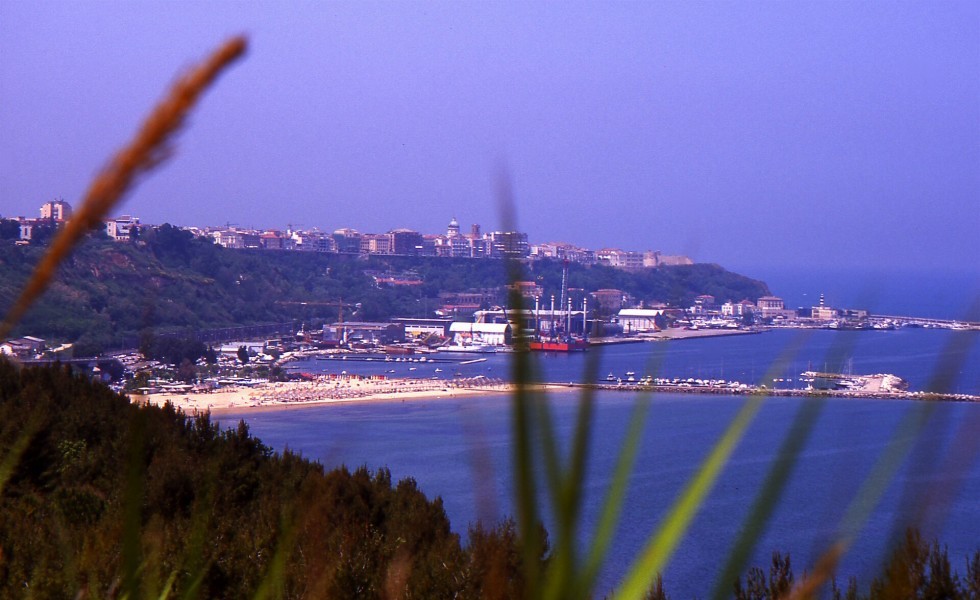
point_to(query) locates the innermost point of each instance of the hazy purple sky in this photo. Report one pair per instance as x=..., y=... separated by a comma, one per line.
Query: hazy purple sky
x=741, y=133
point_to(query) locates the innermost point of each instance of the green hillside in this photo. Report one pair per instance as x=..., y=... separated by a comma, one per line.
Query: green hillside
x=108, y=293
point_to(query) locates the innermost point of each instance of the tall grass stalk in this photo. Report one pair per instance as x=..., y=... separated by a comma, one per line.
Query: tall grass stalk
x=148, y=149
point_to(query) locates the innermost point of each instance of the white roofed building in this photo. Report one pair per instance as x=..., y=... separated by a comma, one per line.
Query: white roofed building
x=488, y=334
x=639, y=320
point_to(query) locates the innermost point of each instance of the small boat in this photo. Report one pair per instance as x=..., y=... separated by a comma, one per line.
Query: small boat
x=610, y=377
x=395, y=349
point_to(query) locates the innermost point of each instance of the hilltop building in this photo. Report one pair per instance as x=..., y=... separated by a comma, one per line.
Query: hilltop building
x=56, y=210
x=621, y=259
x=656, y=259
x=454, y=243
x=509, y=244
x=347, y=241
x=405, y=242
x=453, y=229
x=123, y=228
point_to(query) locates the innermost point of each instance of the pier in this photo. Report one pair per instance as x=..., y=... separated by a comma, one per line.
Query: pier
x=929, y=322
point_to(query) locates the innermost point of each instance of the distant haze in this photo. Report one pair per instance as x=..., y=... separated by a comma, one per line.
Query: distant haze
x=749, y=133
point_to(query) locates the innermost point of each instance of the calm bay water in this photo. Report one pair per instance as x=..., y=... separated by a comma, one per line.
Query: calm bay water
x=460, y=449
x=917, y=355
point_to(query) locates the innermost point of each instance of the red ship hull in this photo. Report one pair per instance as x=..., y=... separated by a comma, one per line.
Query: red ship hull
x=558, y=346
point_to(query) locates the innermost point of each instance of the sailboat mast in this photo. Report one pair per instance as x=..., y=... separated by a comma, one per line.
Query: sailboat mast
x=566, y=302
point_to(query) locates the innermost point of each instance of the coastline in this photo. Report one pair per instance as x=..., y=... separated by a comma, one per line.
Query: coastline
x=373, y=386
x=324, y=390
x=294, y=395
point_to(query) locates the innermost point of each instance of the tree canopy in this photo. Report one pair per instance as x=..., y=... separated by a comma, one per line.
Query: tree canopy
x=108, y=495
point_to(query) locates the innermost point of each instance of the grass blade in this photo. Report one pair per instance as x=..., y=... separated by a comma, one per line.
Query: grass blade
x=905, y=436
x=777, y=478
x=662, y=544
x=568, y=496
x=658, y=550
x=612, y=506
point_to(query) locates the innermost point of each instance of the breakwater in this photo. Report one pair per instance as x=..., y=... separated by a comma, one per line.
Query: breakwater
x=726, y=390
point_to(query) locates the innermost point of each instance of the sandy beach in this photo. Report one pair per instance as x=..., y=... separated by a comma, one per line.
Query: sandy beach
x=325, y=390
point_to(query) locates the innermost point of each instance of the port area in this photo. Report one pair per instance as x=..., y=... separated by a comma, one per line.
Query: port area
x=870, y=386
x=673, y=333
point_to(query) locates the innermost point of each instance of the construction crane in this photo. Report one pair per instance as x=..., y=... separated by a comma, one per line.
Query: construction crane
x=339, y=303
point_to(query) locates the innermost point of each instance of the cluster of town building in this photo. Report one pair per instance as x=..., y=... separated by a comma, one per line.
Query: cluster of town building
x=33, y=347
x=455, y=243
x=605, y=313
x=56, y=212
x=475, y=315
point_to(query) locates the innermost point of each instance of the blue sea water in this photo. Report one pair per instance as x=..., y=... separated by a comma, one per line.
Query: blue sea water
x=460, y=449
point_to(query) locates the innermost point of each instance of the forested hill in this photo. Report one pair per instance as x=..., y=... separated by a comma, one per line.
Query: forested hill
x=101, y=498
x=169, y=280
